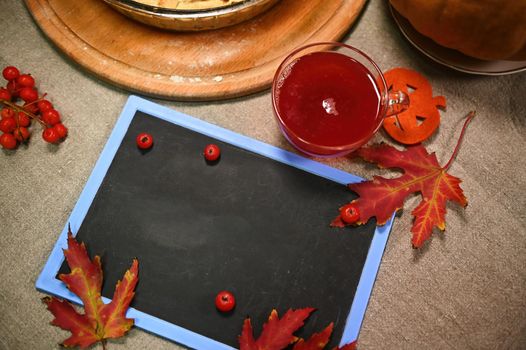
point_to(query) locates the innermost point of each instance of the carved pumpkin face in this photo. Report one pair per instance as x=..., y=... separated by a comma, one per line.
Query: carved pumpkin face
x=422, y=118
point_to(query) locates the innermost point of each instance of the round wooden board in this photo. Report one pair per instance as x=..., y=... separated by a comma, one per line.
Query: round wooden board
x=207, y=65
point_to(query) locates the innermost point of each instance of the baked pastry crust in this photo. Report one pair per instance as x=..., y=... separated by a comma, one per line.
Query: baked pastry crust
x=189, y=4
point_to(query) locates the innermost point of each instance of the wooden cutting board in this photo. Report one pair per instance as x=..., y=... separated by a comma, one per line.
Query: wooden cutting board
x=208, y=65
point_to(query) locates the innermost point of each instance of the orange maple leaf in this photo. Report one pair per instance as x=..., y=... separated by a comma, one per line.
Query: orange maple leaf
x=278, y=333
x=100, y=321
x=423, y=174
x=318, y=341
x=382, y=197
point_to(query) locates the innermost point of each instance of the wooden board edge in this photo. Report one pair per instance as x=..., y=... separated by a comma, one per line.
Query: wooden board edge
x=162, y=86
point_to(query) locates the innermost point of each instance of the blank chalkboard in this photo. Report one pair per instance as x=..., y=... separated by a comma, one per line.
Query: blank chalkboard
x=246, y=223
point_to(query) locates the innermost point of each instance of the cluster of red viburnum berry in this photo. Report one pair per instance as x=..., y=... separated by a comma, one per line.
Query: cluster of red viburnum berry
x=16, y=119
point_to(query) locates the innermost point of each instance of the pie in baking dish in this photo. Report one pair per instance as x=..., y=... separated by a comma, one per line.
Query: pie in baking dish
x=191, y=15
x=189, y=4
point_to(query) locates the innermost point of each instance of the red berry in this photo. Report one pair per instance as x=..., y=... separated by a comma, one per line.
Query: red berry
x=350, y=213
x=10, y=73
x=8, y=141
x=31, y=108
x=212, y=152
x=12, y=87
x=8, y=124
x=50, y=135
x=61, y=130
x=25, y=80
x=5, y=94
x=21, y=134
x=225, y=301
x=51, y=117
x=23, y=119
x=44, y=105
x=28, y=94
x=144, y=141
x=7, y=113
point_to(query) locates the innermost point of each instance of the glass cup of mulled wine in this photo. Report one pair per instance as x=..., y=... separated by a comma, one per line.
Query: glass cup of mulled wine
x=330, y=98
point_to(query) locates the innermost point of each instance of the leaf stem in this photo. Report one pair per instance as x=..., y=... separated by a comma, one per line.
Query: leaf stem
x=470, y=116
x=103, y=344
x=21, y=109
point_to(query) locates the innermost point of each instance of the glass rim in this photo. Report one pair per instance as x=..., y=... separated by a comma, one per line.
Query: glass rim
x=334, y=44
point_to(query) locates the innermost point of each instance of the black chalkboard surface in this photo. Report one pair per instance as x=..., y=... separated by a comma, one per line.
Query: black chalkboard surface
x=247, y=223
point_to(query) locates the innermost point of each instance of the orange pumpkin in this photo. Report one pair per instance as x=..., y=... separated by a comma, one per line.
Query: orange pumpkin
x=485, y=29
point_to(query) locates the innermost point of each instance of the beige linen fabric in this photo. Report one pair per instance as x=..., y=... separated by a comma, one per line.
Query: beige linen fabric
x=466, y=289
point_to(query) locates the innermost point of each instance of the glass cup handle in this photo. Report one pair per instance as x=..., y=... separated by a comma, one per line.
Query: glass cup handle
x=398, y=101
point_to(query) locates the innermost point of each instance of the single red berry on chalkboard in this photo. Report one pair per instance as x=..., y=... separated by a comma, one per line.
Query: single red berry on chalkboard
x=225, y=301
x=10, y=73
x=350, y=213
x=144, y=141
x=8, y=141
x=212, y=152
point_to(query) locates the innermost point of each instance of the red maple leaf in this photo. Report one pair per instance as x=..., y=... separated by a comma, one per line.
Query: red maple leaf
x=278, y=333
x=423, y=174
x=100, y=321
x=317, y=341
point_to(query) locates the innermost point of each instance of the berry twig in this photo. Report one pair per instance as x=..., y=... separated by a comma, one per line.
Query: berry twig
x=21, y=109
x=15, y=119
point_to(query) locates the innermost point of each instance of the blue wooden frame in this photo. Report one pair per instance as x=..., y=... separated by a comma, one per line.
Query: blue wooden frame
x=48, y=283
